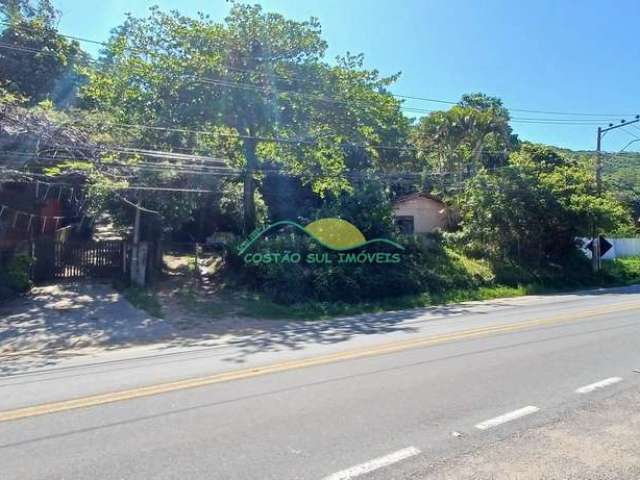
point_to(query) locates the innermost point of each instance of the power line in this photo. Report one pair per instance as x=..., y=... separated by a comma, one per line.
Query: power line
x=26, y=49
x=151, y=166
x=158, y=154
x=153, y=153
x=326, y=99
x=351, y=176
x=167, y=189
x=523, y=110
x=541, y=120
x=228, y=171
x=298, y=142
x=332, y=100
x=128, y=187
x=411, y=97
x=633, y=135
x=229, y=84
x=277, y=171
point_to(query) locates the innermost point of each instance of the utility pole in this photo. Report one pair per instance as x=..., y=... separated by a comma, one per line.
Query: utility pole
x=136, y=224
x=138, y=250
x=598, y=169
x=135, y=249
x=595, y=242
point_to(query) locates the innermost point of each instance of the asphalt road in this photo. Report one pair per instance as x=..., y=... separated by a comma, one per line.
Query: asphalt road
x=336, y=401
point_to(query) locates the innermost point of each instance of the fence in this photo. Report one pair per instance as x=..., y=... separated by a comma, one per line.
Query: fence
x=59, y=260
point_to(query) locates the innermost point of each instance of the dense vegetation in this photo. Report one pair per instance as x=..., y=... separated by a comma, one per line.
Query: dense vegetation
x=14, y=276
x=230, y=125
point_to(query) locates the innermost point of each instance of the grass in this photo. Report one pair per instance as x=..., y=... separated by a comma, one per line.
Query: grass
x=256, y=306
x=615, y=273
x=625, y=271
x=325, y=310
x=144, y=299
x=189, y=299
x=480, y=269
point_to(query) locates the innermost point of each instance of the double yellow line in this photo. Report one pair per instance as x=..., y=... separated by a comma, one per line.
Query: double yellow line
x=101, y=399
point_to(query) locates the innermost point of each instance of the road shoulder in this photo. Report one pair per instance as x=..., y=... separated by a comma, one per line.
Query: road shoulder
x=598, y=441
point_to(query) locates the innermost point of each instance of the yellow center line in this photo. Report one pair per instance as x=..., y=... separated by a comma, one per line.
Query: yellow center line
x=130, y=394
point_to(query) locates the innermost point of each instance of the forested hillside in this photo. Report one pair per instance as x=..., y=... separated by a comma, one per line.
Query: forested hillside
x=623, y=170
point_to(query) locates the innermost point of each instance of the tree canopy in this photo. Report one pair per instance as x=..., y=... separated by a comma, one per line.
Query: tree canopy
x=533, y=209
x=35, y=60
x=456, y=143
x=256, y=89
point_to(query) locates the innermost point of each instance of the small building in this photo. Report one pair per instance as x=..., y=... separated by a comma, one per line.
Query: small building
x=420, y=213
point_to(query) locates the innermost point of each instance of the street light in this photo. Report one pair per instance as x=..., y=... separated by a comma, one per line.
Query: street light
x=598, y=169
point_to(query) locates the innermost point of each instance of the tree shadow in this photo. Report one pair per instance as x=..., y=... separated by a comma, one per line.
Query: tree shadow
x=58, y=322
x=247, y=337
x=64, y=320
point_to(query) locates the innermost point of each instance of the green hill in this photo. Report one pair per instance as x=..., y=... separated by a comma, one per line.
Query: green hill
x=623, y=170
x=620, y=169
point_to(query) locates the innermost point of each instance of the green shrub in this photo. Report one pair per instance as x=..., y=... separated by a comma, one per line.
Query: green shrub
x=425, y=266
x=623, y=270
x=144, y=299
x=14, y=275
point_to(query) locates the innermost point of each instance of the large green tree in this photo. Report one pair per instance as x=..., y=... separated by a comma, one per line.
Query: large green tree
x=35, y=60
x=452, y=145
x=258, y=86
x=531, y=210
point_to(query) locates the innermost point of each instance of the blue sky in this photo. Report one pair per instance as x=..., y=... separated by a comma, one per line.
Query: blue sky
x=560, y=56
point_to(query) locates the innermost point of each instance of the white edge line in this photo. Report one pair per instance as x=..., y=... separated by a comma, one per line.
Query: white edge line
x=601, y=384
x=507, y=417
x=374, y=464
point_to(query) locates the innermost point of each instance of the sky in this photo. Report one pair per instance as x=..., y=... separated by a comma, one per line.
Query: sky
x=545, y=55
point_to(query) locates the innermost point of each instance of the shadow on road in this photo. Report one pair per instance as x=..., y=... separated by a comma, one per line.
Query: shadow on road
x=58, y=322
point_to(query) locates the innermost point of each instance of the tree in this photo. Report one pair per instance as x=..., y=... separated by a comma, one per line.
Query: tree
x=456, y=143
x=257, y=85
x=37, y=62
x=532, y=210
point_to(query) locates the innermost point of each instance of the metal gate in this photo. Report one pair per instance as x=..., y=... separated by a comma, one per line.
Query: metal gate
x=58, y=260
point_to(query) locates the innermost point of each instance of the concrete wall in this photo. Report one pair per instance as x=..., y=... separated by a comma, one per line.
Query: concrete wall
x=428, y=214
x=626, y=247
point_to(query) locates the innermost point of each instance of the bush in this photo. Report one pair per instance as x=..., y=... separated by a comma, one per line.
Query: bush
x=425, y=266
x=623, y=270
x=14, y=276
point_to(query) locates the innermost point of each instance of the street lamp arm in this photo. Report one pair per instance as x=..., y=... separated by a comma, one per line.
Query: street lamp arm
x=621, y=124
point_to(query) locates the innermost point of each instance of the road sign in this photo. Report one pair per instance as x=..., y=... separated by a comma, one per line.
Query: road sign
x=605, y=246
